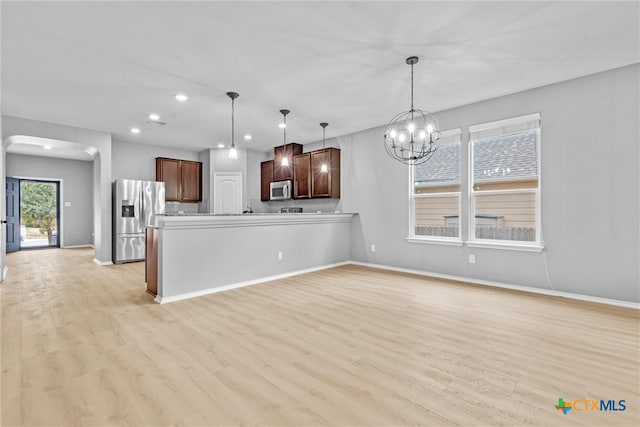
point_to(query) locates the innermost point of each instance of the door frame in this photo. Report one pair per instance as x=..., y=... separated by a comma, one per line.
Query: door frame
x=60, y=219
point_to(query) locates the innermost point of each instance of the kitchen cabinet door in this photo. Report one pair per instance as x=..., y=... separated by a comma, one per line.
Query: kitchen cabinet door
x=191, y=181
x=325, y=184
x=289, y=151
x=168, y=171
x=302, y=176
x=266, y=177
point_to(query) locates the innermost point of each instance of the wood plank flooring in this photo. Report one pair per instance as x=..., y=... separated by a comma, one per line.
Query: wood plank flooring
x=85, y=345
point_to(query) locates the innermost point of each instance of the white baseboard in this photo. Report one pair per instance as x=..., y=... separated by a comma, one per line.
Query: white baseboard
x=208, y=291
x=102, y=262
x=549, y=292
x=76, y=246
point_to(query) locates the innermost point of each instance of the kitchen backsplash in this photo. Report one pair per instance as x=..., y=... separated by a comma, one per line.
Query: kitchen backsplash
x=308, y=205
x=177, y=207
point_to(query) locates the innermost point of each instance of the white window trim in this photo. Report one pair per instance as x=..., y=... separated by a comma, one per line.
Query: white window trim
x=500, y=244
x=435, y=240
x=438, y=240
x=536, y=246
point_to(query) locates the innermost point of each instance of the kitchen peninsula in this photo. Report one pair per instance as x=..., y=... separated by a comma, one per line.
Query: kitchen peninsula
x=199, y=254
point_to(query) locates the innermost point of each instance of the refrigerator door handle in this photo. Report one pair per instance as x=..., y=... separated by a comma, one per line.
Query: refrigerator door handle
x=142, y=210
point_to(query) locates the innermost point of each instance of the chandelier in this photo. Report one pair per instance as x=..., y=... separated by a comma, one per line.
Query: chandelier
x=412, y=136
x=233, y=153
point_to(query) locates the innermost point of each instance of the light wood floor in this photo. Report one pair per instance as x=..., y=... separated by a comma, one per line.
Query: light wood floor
x=84, y=345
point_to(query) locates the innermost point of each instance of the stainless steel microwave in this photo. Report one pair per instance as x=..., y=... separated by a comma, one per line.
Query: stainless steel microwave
x=281, y=190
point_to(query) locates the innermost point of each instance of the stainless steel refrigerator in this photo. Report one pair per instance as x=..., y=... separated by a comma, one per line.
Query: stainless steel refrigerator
x=135, y=206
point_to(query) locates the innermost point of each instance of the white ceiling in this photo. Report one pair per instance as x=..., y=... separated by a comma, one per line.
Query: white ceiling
x=107, y=65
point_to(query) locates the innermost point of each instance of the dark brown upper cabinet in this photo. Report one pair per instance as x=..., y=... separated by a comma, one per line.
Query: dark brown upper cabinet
x=290, y=150
x=325, y=184
x=182, y=179
x=266, y=177
x=302, y=176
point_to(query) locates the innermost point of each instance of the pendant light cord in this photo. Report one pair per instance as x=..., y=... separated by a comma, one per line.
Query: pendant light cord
x=411, y=87
x=233, y=123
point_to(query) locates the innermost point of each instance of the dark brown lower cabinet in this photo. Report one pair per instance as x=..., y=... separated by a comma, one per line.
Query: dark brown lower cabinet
x=151, y=260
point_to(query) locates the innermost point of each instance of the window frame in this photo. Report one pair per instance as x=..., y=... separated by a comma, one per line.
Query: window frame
x=473, y=241
x=444, y=240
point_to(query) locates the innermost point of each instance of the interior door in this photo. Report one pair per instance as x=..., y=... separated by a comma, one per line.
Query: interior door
x=227, y=193
x=13, y=214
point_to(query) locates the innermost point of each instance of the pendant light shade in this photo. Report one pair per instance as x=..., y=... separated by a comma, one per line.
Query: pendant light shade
x=283, y=125
x=233, y=152
x=411, y=137
x=324, y=168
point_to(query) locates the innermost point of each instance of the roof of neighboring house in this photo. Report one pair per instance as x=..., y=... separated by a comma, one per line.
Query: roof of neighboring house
x=496, y=158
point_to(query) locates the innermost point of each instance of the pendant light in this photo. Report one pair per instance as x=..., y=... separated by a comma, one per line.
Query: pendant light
x=411, y=137
x=324, y=168
x=285, y=158
x=233, y=153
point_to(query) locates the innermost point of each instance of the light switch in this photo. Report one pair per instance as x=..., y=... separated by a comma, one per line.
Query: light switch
x=67, y=204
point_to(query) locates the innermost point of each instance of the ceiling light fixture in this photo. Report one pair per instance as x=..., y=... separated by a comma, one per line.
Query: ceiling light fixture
x=283, y=125
x=324, y=168
x=181, y=97
x=248, y=137
x=154, y=117
x=220, y=145
x=135, y=130
x=47, y=147
x=411, y=137
x=233, y=153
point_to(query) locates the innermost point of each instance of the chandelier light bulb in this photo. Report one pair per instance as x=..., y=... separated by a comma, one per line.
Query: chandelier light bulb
x=233, y=153
x=412, y=127
x=324, y=168
x=282, y=125
x=285, y=161
x=422, y=135
x=401, y=137
x=393, y=133
x=429, y=128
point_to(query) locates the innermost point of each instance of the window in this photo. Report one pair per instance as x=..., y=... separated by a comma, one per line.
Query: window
x=505, y=181
x=435, y=192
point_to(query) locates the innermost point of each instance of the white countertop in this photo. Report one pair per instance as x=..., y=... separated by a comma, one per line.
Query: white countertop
x=207, y=220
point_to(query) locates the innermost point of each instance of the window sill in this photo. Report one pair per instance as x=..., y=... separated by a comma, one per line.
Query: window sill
x=434, y=241
x=506, y=246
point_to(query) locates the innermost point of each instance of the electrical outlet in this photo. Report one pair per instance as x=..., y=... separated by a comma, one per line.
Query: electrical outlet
x=373, y=248
x=472, y=259
x=279, y=255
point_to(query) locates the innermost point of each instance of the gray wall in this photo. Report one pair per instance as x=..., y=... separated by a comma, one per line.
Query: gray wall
x=77, y=138
x=76, y=188
x=589, y=188
x=138, y=161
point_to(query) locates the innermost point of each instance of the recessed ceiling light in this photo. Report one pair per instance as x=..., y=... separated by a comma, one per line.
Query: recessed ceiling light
x=181, y=97
x=135, y=130
x=248, y=137
x=154, y=117
x=47, y=147
x=220, y=145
